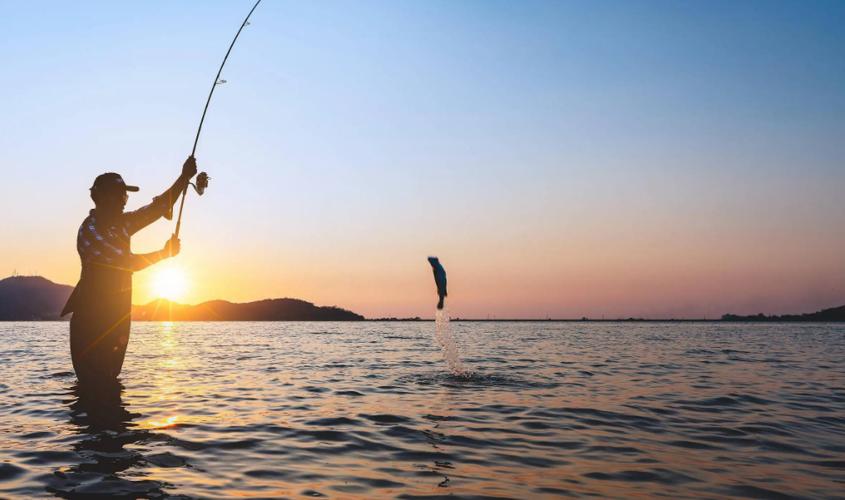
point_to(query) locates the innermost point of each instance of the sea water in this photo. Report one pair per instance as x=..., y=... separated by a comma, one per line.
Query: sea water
x=370, y=410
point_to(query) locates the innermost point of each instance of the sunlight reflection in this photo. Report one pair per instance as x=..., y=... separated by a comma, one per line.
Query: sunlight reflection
x=167, y=340
x=160, y=424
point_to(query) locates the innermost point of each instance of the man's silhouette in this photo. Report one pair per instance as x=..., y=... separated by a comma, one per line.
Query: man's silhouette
x=101, y=303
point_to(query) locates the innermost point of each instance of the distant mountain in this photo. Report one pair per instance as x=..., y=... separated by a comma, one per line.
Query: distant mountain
x=33, y=298
x=262, y=310
x=832, y=314
x=25, y=298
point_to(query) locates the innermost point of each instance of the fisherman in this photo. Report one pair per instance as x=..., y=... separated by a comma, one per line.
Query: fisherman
x=439, y=279
x=101, y=303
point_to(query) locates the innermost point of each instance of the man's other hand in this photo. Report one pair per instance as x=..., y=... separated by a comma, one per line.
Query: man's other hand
x=189, y=168
x=172, y=247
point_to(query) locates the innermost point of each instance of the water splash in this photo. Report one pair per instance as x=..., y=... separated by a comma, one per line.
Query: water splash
x=444, y=337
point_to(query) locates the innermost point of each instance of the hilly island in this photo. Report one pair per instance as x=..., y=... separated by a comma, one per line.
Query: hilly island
x=34, y=298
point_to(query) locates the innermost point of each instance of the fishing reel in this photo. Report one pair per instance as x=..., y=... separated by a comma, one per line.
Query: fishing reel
x=202, y=183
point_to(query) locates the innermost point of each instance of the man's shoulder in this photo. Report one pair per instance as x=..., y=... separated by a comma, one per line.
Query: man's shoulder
x=89, y=220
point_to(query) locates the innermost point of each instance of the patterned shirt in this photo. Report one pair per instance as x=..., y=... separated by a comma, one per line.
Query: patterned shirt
x=107, y=243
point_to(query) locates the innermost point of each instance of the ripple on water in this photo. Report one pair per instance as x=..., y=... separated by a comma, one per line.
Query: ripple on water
x=474, y=380
x=9, y=471
x=93, y=485
x=662, y=476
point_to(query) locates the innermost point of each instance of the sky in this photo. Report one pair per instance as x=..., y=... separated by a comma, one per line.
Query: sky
x=563, y=159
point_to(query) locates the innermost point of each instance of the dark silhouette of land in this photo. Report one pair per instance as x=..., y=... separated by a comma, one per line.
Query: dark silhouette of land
x=261, y=310
x=33, y=298
x=832, y=314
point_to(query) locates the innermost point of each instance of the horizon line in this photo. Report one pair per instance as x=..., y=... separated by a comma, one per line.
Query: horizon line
x=731, y=317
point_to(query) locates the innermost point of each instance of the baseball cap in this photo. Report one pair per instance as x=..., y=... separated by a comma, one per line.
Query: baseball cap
x=110, y=181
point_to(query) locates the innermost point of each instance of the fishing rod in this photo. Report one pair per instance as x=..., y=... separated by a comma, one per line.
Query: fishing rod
x=202, y=178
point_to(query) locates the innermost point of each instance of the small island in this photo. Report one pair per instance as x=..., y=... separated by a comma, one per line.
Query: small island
x=832, y=314
x=261, y=310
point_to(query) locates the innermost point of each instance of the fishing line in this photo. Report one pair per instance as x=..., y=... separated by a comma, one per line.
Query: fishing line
x=202, y=178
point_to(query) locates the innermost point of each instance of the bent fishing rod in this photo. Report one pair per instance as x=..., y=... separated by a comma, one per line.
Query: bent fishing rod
x=202, y=178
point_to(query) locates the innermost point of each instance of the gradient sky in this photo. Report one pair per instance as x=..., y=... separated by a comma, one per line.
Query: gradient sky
x=563, y=159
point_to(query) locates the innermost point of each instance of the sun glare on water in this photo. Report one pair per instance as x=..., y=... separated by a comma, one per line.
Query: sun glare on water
x=170, y=283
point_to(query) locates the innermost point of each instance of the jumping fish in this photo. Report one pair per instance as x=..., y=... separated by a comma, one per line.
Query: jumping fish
x=439, y=279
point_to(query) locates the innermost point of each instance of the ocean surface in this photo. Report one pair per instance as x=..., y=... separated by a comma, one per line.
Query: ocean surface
x=370, y=410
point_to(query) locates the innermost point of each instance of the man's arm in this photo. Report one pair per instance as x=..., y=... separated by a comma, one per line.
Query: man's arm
x=162, y=205
x=138, y=261
x=189, y=170
x=95, y=249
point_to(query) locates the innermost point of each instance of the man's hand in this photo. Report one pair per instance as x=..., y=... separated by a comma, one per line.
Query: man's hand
x=189, y=168
x=172, y=247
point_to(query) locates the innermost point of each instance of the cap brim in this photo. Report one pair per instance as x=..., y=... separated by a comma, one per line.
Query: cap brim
x=133, y=188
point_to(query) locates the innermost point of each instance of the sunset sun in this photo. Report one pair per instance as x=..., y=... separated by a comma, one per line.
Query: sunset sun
x=170, y=283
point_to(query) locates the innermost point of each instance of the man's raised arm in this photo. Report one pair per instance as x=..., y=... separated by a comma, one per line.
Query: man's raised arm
x=162, y=205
